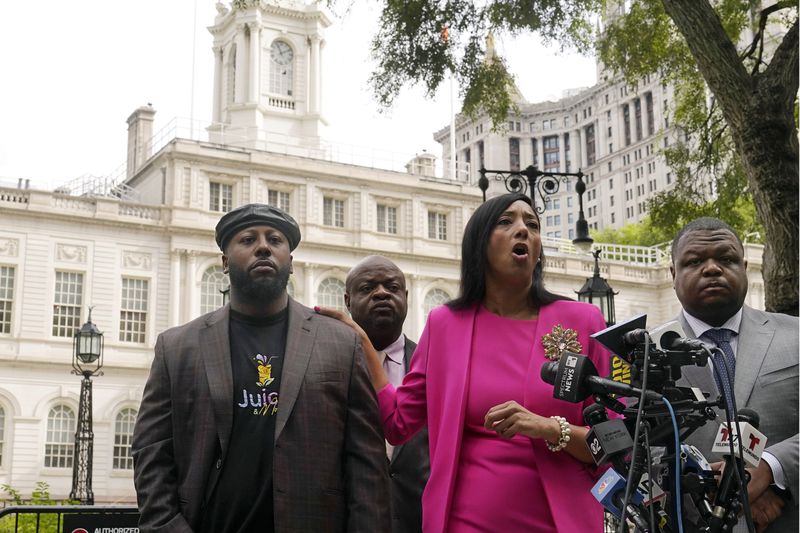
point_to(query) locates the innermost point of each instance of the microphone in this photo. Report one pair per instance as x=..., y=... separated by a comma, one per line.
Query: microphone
x=608, y=440
x=753, y=444
x=670, y=336
x=610, y=492
x=574, y=378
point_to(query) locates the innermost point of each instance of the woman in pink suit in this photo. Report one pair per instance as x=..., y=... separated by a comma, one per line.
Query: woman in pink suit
x=505, y=455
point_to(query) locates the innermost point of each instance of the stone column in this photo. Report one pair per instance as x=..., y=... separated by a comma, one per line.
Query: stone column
x=253, y=56
x=308, y=283
x=217, y=103
x=313, y=82
x=175, y=288
x=193, y=309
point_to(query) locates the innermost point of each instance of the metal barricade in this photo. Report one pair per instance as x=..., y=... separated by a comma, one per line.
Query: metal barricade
x=68, y=518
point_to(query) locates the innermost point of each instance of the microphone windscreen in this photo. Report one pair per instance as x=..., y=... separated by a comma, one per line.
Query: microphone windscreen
x=749, y=416
x=548, y=372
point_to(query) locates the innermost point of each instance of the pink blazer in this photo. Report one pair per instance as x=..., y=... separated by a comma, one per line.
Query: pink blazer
x=434, y=392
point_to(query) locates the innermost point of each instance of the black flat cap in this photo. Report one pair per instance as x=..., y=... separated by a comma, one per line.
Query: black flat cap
x=256, y=215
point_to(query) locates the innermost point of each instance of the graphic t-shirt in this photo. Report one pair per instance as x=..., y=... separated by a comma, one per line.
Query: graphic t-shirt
x=242, y=499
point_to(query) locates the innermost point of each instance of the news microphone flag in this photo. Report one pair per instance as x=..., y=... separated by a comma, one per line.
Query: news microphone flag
x=753, y=442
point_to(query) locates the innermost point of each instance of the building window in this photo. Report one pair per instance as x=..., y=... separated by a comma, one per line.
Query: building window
x=67, y=303
x=480, y=153
x=590, y=150
x=648, y=103
x=330, y=293
x=626, y=123
x=569, y=201
x=437, y=226
x=133, y=310
x=513, y=153
x=281, y=67
x=214, y=280
x=59, y=446
x=637, y=106
x=433, y=299
x=556, y=220
x=333, y=212
x=220, y=197
x=279, y=199
x=387, y=219
x=535, y=150
x=6, y=298
x=123, y=434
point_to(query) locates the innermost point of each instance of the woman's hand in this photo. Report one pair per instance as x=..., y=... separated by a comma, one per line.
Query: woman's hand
x=510, y=418
x=342, y=317
x=374, y=363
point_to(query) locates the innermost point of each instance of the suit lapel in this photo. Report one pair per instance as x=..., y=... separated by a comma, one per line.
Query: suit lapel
x=755, y=336
x=216, y=357
x=409, y=351
x=697, y=376
x=299, y=343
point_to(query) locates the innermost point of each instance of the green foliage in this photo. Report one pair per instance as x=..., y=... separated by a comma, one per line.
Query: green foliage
x=410, y=47
x=48, y=523
x=644, y=233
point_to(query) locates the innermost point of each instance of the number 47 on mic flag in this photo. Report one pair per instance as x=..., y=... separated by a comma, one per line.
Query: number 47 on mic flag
x=753, y=442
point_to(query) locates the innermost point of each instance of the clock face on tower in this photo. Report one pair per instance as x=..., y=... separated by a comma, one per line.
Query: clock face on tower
x=281, y=53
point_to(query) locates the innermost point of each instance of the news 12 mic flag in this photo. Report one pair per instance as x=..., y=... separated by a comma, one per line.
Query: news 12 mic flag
x=753, y=442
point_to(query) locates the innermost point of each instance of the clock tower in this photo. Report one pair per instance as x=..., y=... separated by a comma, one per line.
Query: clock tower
x=268, y=73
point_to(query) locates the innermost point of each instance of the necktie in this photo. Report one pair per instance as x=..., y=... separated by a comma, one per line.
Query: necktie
x=387, y=362
x=723, y=361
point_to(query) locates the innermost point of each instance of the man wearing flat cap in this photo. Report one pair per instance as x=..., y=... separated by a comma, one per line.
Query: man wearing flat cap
x=260, y=416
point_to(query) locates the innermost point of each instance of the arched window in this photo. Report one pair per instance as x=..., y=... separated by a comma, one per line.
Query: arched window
x=214, y=280
x=281, y=69
x=434, y=298
x=123, y=433
x=58, y=447
x=231, y=96
x=331, y=294
x=2, y=432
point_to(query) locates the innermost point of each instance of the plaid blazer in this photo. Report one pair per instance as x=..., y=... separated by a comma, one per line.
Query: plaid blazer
x=329, y=462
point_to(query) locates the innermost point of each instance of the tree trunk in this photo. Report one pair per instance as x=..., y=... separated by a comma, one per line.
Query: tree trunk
x=759, y=110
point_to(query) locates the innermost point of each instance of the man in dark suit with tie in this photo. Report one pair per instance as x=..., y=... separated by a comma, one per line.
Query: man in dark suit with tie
x=376, y=296
x=760, y=352
x=260, y=416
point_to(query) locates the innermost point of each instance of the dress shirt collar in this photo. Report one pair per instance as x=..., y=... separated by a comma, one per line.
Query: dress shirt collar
x=396, y=351
x=699, y=327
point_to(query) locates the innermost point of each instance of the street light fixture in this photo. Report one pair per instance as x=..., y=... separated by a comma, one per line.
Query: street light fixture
x=87, y=359
x=543, y=183
x=597, y=291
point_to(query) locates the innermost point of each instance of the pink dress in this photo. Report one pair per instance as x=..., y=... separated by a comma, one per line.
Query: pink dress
x=455, y=376
x=516, y=501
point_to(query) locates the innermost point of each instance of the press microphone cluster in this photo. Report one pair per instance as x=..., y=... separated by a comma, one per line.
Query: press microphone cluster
x=574, y=378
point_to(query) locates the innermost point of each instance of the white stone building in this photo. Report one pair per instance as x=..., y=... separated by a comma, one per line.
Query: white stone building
x=141, y=251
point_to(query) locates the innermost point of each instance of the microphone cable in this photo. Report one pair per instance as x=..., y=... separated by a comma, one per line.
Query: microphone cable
x=732, y=418
x=678, y=496
x=638, y=425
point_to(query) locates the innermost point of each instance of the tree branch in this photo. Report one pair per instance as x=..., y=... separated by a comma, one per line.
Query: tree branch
x=758, y=38
x=716, y=55
x=782, y=70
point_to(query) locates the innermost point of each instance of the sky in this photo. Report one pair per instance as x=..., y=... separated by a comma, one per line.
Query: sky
x=74, y=71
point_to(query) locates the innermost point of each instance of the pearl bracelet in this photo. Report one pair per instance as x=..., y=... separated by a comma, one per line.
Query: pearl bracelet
x=563, y=439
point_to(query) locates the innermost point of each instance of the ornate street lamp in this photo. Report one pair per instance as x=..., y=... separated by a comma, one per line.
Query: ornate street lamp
x=597, y=291
x=544, y=184
x=87, y=360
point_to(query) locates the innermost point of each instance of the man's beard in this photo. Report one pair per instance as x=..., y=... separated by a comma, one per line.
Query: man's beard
x=260, y=289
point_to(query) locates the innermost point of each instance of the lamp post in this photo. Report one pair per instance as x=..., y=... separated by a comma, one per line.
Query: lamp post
x=597, y=291
x=87, y=359
x=543, y=183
